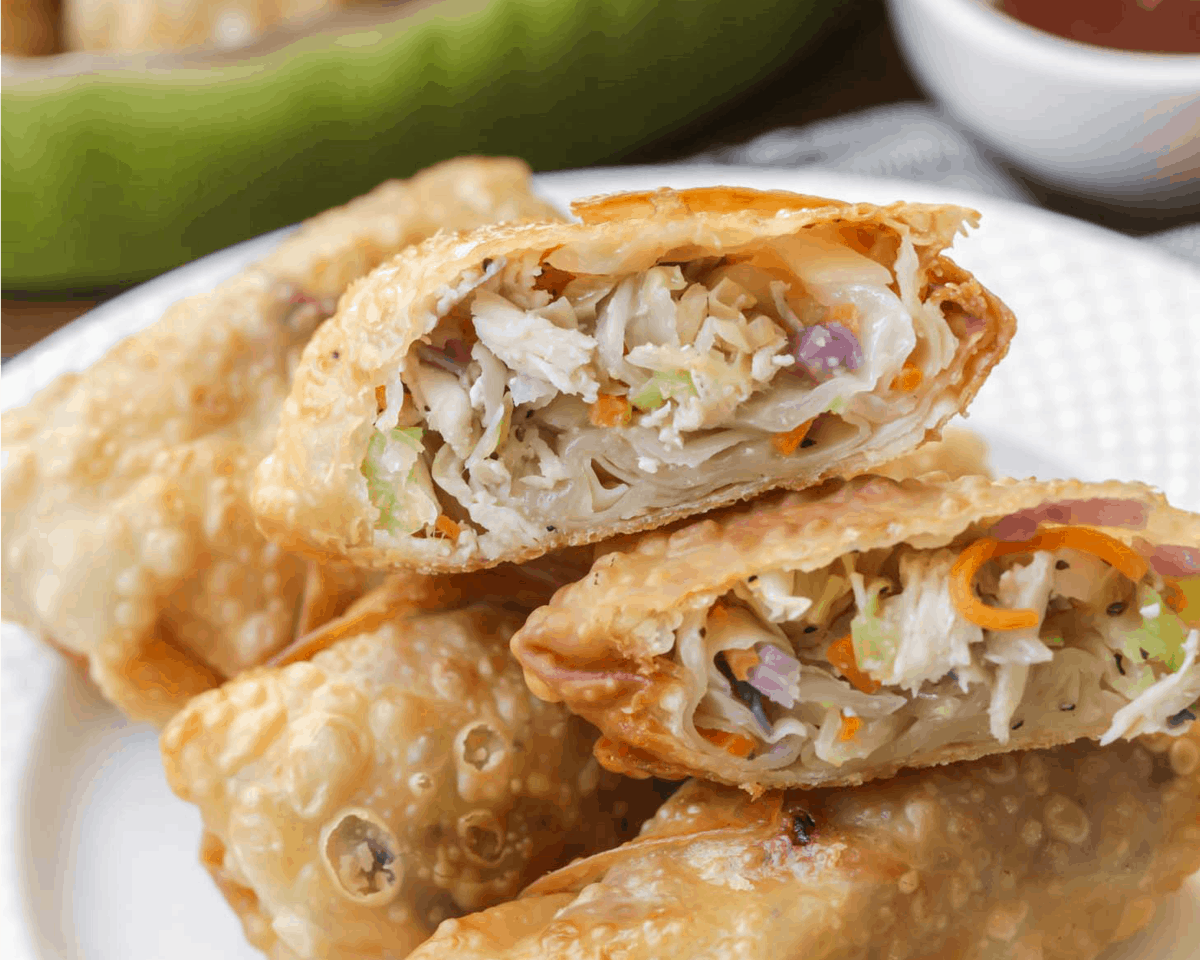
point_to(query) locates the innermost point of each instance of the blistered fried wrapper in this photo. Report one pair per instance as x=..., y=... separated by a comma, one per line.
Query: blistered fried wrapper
x=402, y=776
x=128, y=536
x=1028, y=856
x=492, y=397
x=843, y=633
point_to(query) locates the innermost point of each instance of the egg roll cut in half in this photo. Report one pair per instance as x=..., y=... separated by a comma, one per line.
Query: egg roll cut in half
x=494, y=396
x=1040, y=855
x=840, y=634
x=402, y=776
x=128, y=538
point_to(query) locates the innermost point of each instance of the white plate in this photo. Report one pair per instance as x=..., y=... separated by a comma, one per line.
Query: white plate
x=1101, y=382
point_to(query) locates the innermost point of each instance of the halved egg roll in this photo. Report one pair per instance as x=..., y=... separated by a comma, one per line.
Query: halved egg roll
x=403, y=776
x=837, y=635
x=128, y=535
x=1031, y=856
x=490, y=397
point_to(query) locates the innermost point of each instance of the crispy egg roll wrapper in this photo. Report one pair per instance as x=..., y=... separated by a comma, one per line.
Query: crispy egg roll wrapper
x=532, y=386
x=352, y=802
x=650, y=644
x=1039, y=855
x=128, y=535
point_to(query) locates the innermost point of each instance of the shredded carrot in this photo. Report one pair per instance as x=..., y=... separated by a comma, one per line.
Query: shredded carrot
x=850, y=727
x=1084, y=539
x=734, y=743
x=447, y=527
x=841, y=655
x=741, y=662
x=380, y=399
x=1174, y=597
x=908, y=379
x=786, y=443
x=610, y=410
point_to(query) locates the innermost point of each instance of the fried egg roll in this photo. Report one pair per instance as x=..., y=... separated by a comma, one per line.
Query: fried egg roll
x=404, y=775
x=1029, y=856
x=491, y=397
x=128, y=535
x=843, y=633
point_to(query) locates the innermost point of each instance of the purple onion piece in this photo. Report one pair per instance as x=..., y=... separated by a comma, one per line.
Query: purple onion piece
x=973, y=325
x=1099, y=511
x=774, y=658
x=826, y=349
x=1169, y=560
x=771, y=685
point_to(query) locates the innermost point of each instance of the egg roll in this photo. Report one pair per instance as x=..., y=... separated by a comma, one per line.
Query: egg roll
x=1040, y=855
x=403, y=775
x=128, y=535
x=491, y=397
x=840, y=634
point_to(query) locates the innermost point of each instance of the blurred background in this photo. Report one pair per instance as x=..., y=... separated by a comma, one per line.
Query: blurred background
x=141, y=134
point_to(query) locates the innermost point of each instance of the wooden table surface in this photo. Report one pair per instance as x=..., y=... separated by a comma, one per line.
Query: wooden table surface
x=854, y=65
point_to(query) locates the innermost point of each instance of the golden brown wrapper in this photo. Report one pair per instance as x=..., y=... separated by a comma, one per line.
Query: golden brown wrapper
x=352, y=802
x=128, y=535
x=328, y=419
x=1046, y=855
x=599, y=645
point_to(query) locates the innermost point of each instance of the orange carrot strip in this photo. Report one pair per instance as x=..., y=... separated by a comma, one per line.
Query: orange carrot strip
x=610, y=410
x=1090, y=540
x=1174, y=596
x=850, y=727
x=741, y=662
x=447, y=527
x=1085, y=539
x=734, y=743
x=962, y=587
x=841, y=656
x=908, y=379
x=786, y=443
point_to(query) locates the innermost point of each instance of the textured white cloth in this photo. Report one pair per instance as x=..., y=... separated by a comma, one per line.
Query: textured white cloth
x=908, y=141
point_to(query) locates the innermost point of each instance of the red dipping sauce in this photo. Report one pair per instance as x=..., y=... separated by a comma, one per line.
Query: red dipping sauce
x=1150, y=26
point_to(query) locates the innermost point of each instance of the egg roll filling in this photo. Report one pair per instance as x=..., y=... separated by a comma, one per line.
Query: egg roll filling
x=545, y=395
x=889, y=653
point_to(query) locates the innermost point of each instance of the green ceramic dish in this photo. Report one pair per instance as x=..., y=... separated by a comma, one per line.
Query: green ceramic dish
x=115, y=174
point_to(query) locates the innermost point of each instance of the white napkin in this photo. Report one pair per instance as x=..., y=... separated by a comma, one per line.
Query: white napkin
x=909, y=141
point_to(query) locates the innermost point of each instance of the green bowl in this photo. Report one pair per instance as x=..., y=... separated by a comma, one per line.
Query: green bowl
x=113, y=174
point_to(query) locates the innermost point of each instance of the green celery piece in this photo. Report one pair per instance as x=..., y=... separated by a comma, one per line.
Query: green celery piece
x=383, y=494
x=662, y=387
x=1161, y=636
x=874, y=647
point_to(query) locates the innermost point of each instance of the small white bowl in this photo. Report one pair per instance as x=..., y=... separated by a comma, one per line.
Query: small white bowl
x=1108, y=124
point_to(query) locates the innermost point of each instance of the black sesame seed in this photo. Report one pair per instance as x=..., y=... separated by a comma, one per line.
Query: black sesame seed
x=1115, y=609
x=803, y=826
x=1120, y=667
x=1018, y=725
x=810, y=629
x=1066, y=707
x=752, y=578
x=1061, y=565
x=1145, y=655
x=807, y=442
x=551, y=529
x=1183, y=716
x=336, y=355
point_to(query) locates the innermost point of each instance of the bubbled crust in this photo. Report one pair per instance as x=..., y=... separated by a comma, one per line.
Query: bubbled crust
x=1049, y=855
x=599, y=645
x=421, y=726
x=310, y=493
x=127, y=532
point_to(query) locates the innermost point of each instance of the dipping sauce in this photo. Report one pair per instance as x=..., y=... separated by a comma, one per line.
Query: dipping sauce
x=1151, y=26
